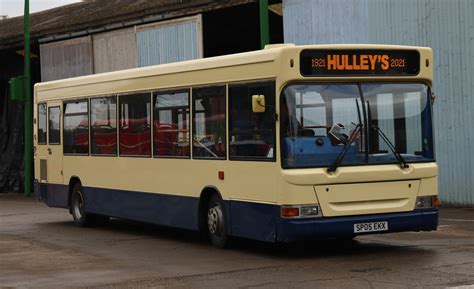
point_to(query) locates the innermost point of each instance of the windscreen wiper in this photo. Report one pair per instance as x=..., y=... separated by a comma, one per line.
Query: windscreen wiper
x=398, y=156
x=333, y=167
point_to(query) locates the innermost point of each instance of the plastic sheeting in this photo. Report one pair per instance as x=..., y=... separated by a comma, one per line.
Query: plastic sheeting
x=11, y=142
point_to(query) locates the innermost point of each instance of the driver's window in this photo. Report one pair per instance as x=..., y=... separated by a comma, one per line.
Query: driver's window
x=252, y=135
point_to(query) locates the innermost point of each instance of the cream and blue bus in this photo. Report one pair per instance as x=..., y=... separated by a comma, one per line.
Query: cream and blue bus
x=282, y=144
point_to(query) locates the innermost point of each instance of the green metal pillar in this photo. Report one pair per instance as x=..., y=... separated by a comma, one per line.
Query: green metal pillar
x=28, y=138
x=264, y=29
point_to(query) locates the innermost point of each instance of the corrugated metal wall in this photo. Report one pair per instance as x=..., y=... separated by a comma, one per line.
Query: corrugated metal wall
x=325, y=21
x=169, y=41
x=115, y=50
x=445, y=25
x=66, y=58
x=145, y=45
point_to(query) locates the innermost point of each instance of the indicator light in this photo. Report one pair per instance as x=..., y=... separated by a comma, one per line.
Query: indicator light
x=289, y=212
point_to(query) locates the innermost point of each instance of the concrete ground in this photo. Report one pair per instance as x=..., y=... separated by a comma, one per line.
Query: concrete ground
x=40, y=247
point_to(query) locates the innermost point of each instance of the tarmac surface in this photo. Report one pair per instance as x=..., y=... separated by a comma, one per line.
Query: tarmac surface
x=40, y=247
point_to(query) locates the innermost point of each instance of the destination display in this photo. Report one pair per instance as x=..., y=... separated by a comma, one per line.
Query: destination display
x=359, y=62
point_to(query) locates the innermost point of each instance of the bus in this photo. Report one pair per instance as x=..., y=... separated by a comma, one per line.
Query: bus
x=282, y=144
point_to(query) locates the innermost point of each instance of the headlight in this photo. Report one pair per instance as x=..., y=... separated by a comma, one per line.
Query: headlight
x=303, y=211
x=427, y=202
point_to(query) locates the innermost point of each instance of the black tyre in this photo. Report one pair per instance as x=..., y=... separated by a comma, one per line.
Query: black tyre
x=81, y=218
x=216, y=223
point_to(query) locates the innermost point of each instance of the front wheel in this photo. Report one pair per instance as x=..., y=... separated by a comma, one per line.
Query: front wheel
x=216, y=225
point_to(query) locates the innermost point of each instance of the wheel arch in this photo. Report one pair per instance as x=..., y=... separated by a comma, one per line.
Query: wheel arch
x=204, y=198
x=72, y=182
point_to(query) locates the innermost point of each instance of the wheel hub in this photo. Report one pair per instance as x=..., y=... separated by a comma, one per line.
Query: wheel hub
x=213, y=220
x=78, y=206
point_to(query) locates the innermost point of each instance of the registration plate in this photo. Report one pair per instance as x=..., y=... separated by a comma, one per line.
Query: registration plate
x=370, y=227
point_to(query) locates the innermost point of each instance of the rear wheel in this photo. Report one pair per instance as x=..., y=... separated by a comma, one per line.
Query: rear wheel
x=77, y=207
x=81, y=218
x=216, y=225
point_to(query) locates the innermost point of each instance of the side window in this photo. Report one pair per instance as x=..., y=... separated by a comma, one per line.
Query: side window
x=42, y=123
x=76, y=128
x=252, y=135
x=54, y=125
x=171, y=124
x=104, y=126
x=135, y=132
x=209, y=133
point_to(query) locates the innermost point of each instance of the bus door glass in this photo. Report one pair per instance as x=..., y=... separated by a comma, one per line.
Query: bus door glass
x=54, y=148
x=41, y=152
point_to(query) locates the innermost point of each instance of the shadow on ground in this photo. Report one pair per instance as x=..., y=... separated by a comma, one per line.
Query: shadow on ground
x=296, y=250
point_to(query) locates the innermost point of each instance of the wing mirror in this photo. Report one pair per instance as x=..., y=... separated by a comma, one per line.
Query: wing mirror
x=258, y=103
x=433, y=97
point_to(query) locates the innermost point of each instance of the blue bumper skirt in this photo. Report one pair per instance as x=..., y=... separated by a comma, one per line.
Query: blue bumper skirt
x=334, y=227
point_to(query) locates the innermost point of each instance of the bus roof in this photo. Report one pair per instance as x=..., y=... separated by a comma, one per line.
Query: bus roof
x=270, y=55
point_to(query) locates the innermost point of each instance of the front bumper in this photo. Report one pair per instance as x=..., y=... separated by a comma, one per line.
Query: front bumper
x=340, y=227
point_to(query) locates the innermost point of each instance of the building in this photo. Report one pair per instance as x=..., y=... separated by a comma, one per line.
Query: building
x=447, y=27
x=97, y=36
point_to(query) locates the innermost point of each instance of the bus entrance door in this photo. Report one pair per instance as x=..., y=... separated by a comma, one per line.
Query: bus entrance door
x=51, y=158
x=55, y=148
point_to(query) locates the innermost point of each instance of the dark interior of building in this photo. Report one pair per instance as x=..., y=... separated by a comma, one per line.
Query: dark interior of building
x=237, y=29
x=11, y=120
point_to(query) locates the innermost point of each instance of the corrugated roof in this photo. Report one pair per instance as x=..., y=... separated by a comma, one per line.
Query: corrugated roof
x=94, y=14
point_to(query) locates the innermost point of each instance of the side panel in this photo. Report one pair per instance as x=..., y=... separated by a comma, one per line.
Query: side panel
x=56, y=195
x=53, y=195
x=254, y=220
x=168, y=210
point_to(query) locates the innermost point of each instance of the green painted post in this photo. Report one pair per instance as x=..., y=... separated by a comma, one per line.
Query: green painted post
x=28, y=141
x=264, y=29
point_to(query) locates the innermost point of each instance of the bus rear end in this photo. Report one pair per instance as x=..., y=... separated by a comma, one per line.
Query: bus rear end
x=356, y=141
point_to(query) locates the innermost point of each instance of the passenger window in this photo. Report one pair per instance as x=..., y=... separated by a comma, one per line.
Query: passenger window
x=252, y=135
x=135, y=129
x=42, y=123
x=104, y=126
x=76, y=128
x=171, y=124
x=209, y=135
x=54, y=125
